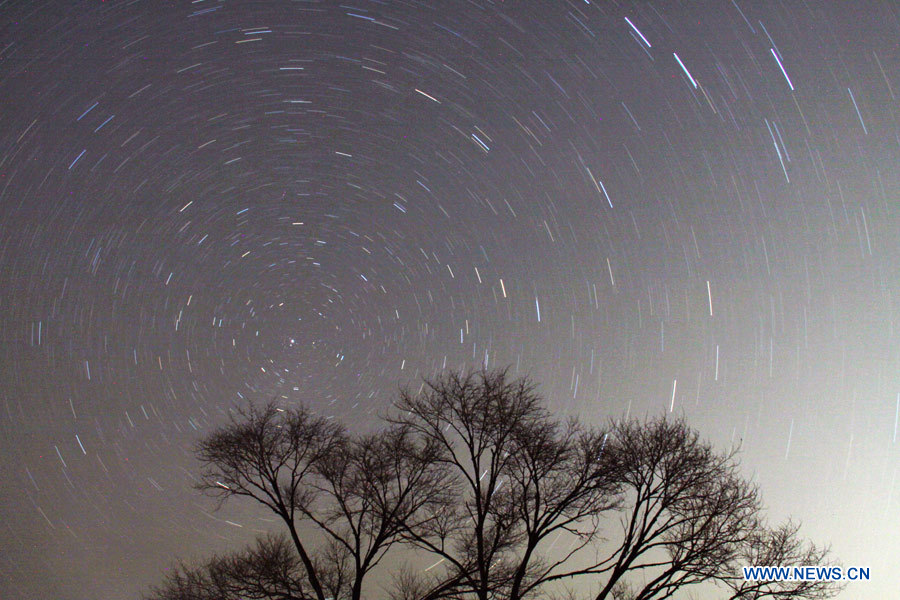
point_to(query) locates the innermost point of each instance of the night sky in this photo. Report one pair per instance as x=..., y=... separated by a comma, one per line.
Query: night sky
x=685, y=207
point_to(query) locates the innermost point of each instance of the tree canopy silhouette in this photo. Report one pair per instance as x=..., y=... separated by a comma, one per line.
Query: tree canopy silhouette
x=477, y=491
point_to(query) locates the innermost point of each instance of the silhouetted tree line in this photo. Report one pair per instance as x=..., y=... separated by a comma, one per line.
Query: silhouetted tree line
x=491, y=497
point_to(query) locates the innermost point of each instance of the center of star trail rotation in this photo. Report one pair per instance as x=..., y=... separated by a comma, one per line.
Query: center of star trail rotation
x=649, y=208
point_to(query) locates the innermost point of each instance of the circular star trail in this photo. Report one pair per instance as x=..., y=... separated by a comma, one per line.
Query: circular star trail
x=648, y=207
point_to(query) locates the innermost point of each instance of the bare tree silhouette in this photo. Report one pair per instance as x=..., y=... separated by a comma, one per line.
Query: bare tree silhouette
x=475, y=477
x=686, y=512
x=270, y=569
x=361, y=493
x=523, y=477
x=781, y=545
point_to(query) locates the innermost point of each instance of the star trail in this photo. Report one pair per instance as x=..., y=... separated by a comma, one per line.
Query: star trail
x=649, y=207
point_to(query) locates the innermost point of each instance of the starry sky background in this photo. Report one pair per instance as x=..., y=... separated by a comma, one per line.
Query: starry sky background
x=686, y=207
